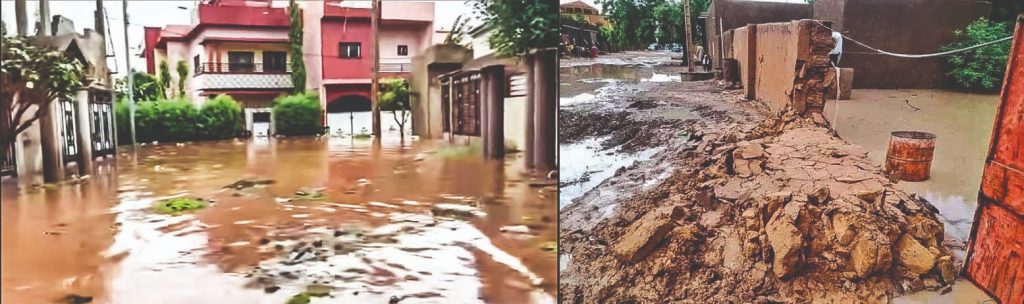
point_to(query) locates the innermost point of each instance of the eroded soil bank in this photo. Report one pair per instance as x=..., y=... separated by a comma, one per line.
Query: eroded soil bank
x=341, y=220
x=745, y=206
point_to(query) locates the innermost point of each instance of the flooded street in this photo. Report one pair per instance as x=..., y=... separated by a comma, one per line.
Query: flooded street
x=340, y=219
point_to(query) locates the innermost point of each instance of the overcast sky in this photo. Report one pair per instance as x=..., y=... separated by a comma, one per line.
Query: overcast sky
x=161, y=13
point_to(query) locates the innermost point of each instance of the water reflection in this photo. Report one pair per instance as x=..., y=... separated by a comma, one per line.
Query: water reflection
x=101, y=239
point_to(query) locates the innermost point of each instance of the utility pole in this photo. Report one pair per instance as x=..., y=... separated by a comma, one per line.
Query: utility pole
x=689, y=37
x=21, y=17
x=375, y=82
x=131, y=83
x=44, y=18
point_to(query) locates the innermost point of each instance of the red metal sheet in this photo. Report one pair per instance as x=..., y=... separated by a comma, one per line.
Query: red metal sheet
x=996, y=258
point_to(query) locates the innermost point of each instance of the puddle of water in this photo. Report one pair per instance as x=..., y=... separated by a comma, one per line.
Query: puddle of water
x=600, y=165
x=100, y=239
x=963, y=124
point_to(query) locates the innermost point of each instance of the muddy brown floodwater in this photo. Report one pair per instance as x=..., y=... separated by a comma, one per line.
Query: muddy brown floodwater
x=363, y=223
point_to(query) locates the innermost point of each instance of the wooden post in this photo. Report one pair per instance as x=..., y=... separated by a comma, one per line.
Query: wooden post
x=21, y=17
x=528, y=149
x=375, y=82
x=751, y=88
x=545, y=112
x=494, y=81
x=689, y=36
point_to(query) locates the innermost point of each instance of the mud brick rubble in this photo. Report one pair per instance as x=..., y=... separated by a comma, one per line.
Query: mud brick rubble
x=777, y=211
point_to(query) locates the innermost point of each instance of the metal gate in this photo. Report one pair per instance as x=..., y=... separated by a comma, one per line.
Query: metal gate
x=102, y=126
x=8, y=163
x=996, y=258
x=68, y=130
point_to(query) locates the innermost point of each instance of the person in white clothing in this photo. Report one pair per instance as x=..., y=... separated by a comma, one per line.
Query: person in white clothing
x=837, y=50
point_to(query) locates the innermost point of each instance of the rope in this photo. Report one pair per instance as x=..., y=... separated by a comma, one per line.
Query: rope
x=920, y=55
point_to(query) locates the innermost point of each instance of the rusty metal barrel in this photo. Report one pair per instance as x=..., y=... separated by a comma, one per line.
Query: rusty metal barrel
x=910, y=155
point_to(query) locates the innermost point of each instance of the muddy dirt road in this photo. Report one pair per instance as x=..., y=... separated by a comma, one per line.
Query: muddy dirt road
x=729, y=203
x=336, y=218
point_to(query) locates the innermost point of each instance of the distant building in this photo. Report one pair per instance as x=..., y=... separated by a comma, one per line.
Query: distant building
x=589, y=13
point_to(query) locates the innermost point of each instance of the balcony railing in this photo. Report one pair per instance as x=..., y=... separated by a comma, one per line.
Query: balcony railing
x=241, y=68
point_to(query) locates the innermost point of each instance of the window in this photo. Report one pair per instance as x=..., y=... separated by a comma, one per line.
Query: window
x=240, y=62
x=195, y=65
x=274, y=62
x=403, y=50
x=350, y=50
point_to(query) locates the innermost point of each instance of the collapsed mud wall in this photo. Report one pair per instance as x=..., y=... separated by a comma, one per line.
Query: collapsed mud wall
x=901, y=26
x=784, y=65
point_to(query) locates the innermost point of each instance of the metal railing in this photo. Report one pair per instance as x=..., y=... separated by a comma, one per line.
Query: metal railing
x=241, y=68
x=395, y=67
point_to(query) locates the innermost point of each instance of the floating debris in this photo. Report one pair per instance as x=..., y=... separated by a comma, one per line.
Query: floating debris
x=178, y=205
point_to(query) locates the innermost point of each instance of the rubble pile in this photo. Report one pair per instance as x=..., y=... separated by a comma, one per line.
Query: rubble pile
x=777, y=211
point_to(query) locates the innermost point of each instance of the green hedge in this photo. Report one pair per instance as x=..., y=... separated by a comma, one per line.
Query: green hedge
x=222, y=117
x=179, y=120
x=297, y=115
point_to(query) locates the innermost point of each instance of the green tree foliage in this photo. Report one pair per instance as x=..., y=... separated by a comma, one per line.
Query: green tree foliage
x=146, y=87
x=164, y=79
x=3, y=29
x=221, y=117
x=295, y=48
x=638, y=23
x=395, y=98
x=981, y=68
x=182, y=76
x=518, y=26
x=32, y=77
x=298, y=114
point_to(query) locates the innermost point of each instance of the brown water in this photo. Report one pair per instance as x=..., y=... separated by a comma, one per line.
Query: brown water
x=963, y=124
x=102, y=239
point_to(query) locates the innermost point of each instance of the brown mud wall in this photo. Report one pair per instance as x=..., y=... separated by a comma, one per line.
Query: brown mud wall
x=900, y=26
x=789, y=62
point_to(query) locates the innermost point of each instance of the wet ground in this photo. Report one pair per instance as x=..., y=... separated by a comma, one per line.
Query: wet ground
x=611, y=84
x=963, y=123
x=358, y=223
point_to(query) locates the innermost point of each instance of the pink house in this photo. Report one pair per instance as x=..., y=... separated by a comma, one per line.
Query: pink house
x=240, y=48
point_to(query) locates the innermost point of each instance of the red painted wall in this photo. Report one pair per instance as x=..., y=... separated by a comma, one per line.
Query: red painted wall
x=335, y=31
x=337, y=91
x=152, y=35
x=243, y=15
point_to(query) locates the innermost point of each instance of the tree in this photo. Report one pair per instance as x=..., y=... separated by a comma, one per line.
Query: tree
x=146, y=87
x=297, y=114
x=295, y=45
x=518, y=26
x=395, y=98
x=454, y=37
x=980, y=68
x=32, y=77
x=182, y=75
x=164, y=80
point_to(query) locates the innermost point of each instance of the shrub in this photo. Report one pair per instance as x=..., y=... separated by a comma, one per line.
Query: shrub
x=167, y=120
x=981, y=68
x=297, y=114
x=221, y=117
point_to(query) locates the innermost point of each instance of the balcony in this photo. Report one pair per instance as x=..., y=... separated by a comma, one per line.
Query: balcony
x=395, y=65
x=224, y=76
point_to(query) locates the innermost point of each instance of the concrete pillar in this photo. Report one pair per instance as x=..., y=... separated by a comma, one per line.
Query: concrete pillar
x=53, y=163
x=545, y=111
x=528, y=139
x=84, y=134
x=751, y=89
x=44, y=18
x=494, y=82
